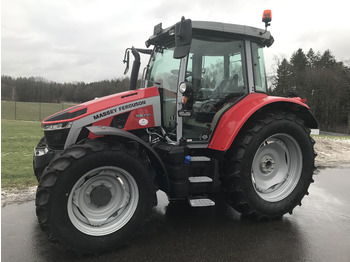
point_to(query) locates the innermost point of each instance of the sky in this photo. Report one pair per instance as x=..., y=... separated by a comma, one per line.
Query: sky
x=85, y=40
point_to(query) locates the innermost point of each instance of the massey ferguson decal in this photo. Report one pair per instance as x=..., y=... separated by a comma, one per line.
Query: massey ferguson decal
x=119, y=109
x=105, y=113
x=131, y=105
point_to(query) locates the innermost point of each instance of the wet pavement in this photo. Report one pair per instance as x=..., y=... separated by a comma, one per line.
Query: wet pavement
x=319, y=230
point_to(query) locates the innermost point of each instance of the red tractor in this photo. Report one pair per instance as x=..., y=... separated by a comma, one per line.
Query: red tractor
x=203, y=123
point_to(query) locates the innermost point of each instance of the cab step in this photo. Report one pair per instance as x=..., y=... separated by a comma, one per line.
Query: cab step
x=201, y=202
x=200, y=179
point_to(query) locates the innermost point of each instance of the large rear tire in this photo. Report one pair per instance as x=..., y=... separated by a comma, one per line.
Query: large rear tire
x=269, y=167
x=94, y=196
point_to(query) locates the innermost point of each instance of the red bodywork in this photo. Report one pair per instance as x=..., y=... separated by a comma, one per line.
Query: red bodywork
x=104, y=103
x=233, y=120
x=143, y=116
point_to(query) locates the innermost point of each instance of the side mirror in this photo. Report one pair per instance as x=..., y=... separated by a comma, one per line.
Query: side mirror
x=187, y=99
x=183, y=38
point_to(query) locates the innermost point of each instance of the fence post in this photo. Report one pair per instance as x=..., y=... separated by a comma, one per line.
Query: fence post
x=15, y=110
x=39, y=111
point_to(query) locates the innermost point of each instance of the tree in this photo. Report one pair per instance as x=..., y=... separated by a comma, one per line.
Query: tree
x=298, y=63
x=38, y=89
x=312, y=58
x=283, y=78
x=323, y=81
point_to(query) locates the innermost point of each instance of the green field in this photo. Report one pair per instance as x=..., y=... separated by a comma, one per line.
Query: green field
x=30, y=111
x=18, y=139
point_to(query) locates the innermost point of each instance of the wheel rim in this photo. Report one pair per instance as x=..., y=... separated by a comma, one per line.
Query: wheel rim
x=276, y=167
x=103, y=200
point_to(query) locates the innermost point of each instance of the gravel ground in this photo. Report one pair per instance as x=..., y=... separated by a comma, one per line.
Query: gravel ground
x=330, y=153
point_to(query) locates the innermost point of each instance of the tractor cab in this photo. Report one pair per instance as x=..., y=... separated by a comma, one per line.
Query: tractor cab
x=201, y=70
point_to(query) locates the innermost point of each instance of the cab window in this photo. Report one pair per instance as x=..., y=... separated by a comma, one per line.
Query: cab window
x=259, y=68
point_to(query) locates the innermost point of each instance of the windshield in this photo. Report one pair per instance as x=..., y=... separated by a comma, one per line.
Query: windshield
x=163, y=69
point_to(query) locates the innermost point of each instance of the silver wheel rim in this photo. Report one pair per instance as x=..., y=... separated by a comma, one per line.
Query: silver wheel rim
x=102, y=201
x=276, y=167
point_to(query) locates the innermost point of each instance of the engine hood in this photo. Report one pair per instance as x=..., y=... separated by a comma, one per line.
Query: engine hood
x=116, y=102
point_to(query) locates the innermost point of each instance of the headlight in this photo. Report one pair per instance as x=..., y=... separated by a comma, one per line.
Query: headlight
x=183, y=88
x=57, y=126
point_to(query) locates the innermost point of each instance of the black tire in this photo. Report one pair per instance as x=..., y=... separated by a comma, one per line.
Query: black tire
x=269, y=167
x=94, y=196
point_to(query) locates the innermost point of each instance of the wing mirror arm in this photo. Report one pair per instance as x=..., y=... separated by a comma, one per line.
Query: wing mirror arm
x=126, y=60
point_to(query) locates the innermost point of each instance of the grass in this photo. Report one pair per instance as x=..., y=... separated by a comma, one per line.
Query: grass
x=18, y=139
x=30, y=111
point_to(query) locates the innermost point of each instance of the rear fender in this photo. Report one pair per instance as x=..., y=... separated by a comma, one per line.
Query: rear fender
x=156, y=162
x=233, y=119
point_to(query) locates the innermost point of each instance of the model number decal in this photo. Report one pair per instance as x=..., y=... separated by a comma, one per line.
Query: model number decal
x=119, y=109
x=142, y=115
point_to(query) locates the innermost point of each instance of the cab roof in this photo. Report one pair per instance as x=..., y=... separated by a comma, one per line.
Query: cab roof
x=164, y=36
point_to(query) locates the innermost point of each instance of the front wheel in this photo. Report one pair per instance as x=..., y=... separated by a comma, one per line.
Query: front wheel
x=94, y=196
x=269, y=168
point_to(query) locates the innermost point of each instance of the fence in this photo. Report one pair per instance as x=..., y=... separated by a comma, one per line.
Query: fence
x=13, y=110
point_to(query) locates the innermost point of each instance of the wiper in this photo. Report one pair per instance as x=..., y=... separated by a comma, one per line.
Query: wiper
x=158, y=84
x=145, y=51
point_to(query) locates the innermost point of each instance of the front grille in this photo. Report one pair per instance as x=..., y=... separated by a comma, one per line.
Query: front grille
x=56, y=138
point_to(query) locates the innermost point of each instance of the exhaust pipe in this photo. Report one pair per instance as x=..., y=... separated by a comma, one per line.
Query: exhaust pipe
x=135, y=68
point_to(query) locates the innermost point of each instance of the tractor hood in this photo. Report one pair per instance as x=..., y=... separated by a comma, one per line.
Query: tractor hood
x=100, y=108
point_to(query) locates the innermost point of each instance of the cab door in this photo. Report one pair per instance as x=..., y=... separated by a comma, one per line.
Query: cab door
x=217, y=73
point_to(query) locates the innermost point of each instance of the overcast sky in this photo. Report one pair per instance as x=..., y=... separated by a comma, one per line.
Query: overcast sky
x=84, y=40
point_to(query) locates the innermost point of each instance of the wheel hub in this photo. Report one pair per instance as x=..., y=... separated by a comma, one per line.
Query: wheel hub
x=100, y=196
x=267, y=164
x=276, y=167
x=103, y=200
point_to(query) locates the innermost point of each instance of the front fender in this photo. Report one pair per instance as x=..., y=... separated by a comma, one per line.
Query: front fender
x=234, y=118
x=157, y=163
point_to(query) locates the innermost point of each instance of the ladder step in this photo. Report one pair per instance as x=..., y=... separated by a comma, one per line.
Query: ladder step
x=200, y=179
x=200, y=159
x=201, y=202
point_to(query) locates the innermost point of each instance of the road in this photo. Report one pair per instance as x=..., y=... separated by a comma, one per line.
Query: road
x=319, y=230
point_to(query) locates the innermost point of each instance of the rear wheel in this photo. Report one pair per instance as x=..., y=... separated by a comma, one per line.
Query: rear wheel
x=95, y=196
x=270, y=166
